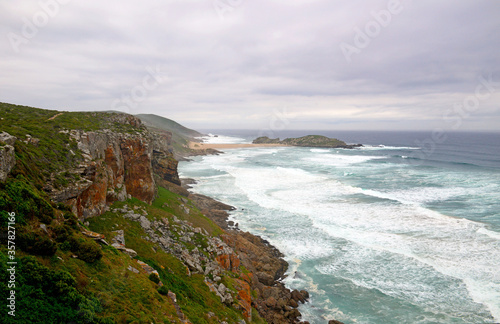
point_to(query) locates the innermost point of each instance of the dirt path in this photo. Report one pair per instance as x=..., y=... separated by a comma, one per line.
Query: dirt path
x=54, y=117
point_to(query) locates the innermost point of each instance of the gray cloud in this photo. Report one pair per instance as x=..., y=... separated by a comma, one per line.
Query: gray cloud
x=262, y=56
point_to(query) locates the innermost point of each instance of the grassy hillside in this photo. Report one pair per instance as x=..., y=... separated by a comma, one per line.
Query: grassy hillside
x=168, y=124
x=180, y=135
x=66, y=272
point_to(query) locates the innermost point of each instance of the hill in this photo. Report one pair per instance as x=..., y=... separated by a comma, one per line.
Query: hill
x=181, y=135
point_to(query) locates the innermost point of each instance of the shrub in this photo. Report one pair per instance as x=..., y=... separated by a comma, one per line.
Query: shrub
x=154, y=278
x=18, y=196
x=86, y=249
x=163, y=290
x=36, y=242
x=47, y=296
x=70, y=219
x=62, y=232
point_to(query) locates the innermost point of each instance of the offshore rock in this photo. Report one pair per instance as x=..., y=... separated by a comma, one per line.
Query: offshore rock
x=307, y=141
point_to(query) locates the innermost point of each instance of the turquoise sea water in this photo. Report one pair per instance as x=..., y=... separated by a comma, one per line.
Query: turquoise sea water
x=403, y=230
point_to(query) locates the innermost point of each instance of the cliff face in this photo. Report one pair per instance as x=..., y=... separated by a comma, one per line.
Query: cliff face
x=115, y=166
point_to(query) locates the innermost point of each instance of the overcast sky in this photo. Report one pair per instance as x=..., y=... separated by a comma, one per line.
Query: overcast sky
x=295, y=64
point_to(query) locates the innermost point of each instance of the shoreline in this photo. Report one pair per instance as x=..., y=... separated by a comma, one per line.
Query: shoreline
x=265, y=263
x=204, y=146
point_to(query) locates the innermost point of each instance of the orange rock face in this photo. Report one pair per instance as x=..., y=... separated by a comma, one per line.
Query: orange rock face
x=138, y=171
x=93, y=200
x=229, y=262
x=244, y=298
x=124, y=169
x=114, y=165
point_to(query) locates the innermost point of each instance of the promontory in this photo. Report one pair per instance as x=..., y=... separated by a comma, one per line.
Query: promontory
x=307, y=141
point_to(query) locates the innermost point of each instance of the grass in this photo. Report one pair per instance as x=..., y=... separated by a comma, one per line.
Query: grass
x=194, y=296
x=173, y=204
x=56, y=150
x=51, y=248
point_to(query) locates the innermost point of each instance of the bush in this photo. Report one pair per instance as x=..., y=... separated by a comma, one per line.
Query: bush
x=47, y=296
x=71, y=220
x=62, y=232
x=36, y=242
x=163, y=290
x=154, y=278
x=18, y=196
x=86, y=249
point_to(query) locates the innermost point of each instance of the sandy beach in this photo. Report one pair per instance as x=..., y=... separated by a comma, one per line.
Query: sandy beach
x=203, y=146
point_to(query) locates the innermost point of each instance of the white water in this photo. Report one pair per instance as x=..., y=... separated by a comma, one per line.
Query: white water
x=372, y=240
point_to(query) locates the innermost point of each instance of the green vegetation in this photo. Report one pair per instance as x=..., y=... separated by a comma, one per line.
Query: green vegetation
x=172, y=203
x=180, y=134
x=51, y=149
x=193, y=295
x=18, y=195
x=64, y=276
x=168, y=125
x=308, y=141
x=47, y=296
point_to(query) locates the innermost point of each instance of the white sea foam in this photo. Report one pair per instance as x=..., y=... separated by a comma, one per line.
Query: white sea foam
x=339, y=160
x=395, y=245
x=384, y=147
x=418, y=196
x=320, y=150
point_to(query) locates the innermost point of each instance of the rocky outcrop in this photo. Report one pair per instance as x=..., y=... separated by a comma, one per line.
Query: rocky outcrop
x=213, y=209
x=138, y=169
x=7, y=154
x=274, y=302
x=116, y=166
x=164, y=163
x=6, y=138
x=165, y=166
x=307, y=141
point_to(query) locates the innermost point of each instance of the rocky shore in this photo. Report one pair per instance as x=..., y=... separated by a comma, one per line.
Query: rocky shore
x=274, y=302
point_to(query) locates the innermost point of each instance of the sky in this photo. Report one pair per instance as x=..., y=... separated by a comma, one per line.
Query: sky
x=275, y=64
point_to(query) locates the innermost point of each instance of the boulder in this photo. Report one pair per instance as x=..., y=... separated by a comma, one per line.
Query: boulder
x=297, y=296
x=145, y=223
x=8, y=139
x=7, y=161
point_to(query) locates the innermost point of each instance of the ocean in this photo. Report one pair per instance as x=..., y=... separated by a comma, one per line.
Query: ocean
x=403, y=230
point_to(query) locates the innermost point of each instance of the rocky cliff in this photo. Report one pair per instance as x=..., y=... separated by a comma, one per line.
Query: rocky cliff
x=115, y=166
